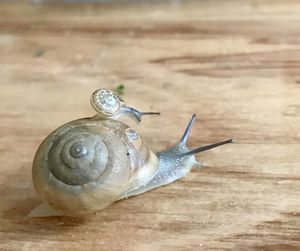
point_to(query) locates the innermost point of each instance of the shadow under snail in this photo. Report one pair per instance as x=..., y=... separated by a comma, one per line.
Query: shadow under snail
x=87, y=164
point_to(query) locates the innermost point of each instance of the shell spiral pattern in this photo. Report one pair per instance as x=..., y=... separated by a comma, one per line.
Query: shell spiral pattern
x=78, y=159
x=83, y=166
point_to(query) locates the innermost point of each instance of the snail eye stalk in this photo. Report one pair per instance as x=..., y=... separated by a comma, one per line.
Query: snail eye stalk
x=187, y=131
x=207, y=147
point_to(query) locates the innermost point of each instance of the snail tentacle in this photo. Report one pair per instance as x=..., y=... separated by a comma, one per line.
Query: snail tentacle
x=132, y=113
x=188, y=129
x=206, y=147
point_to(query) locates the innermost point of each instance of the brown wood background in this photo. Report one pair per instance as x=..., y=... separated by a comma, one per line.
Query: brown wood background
x=236, y=64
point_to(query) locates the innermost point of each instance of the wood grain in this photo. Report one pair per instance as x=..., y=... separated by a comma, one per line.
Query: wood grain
x=236, y=64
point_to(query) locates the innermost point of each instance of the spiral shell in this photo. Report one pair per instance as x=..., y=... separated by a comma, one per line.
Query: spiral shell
x=87, y=164
x=106, y=102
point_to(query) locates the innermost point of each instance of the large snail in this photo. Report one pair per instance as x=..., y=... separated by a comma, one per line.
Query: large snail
x=87, y=164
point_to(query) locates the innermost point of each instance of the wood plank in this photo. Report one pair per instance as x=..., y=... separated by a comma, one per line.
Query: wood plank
x=235, y=64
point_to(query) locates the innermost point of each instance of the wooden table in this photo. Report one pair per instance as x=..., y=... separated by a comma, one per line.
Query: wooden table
x=236, y=64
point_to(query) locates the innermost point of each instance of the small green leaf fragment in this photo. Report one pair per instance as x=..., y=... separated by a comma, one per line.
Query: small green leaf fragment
x=39, y=53
x=120, y=89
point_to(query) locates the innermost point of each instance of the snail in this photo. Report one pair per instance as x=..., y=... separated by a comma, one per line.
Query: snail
x=87, y=164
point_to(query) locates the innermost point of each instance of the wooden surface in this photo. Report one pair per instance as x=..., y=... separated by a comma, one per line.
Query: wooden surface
x=235, y=64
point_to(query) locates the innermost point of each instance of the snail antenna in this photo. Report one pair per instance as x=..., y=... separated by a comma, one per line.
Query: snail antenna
x=207, y=147
x=134, y=114
x=150, y=113
x=187, y=131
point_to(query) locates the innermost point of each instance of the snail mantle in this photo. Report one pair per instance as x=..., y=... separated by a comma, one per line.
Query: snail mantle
x=87, y=164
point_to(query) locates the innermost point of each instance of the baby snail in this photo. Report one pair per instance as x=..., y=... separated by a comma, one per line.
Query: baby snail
x=87, y=164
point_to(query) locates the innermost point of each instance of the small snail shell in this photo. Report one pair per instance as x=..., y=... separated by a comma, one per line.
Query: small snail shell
x=87, y=164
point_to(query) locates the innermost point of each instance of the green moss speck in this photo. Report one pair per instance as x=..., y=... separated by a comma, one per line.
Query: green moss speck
x=39, y=53
x=120, y=89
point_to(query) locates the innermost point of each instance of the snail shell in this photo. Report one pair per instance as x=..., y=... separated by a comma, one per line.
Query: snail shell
x=87, y=164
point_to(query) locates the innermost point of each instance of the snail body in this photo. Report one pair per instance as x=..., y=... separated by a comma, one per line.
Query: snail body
x=87, y=164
